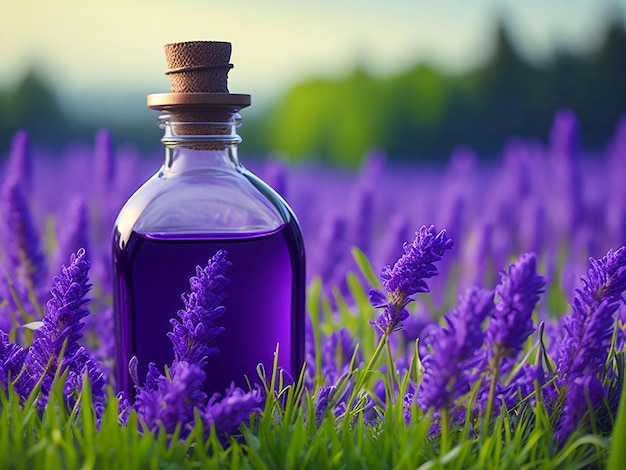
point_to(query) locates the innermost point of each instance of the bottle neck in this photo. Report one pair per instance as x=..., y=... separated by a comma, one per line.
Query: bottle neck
x=197, y=139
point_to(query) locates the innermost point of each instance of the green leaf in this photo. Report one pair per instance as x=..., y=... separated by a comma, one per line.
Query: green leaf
x=617, y=454
x=365, y=266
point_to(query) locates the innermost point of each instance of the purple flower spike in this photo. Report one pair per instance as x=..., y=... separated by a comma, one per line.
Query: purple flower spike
x=19, y=168
x=275, y=174
x=332, y=247
x=416, y=264
x=67, y=307
x=587, y=338
x=567, y=205
x=564, y=134
x=407, y=277
x=104, y=160
x=232, y=410
x=20, y=238
x=11, y=360
x=337, y=352
x=170, y=400
x=511, y=322
x=360, y=220
x=322, y=401
x=61, y=331
x=584, y=394
x=192, y=334
x=522, y=384
x=75, y=233
x=589, y=327
x=164, y=401
x=449, y=352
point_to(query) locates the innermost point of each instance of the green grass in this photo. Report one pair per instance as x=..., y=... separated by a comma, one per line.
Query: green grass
x=287, y=437
x=286, y=434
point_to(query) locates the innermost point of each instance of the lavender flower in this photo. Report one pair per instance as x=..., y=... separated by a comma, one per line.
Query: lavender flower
x=589, y=327
x=170, y=401
x=337, y=352
x=565, y=134
x=360, y=220
x=60, y=333
x=194, y=332
x=20, y=238
x=309, y=352
x=332, y=248
x=11, y=360
x=104, y=161
x=407, y=277
x=616, y=194
x=337, y=397
x=585, y=394
x=408, y=400
x=275, y=174
x=564, y=149
x=522, y=384
x=67, y=307
x=227, y=413
x=449, y=353
x=103, y=345
x=587, y=337
x=532, y=230
x=167, y=401
x=19, y=168
x=75, y=233
x=322, y=400
x=477, y=256
x=511, y=321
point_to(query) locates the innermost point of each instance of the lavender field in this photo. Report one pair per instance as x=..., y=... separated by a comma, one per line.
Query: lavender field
x=490, y=329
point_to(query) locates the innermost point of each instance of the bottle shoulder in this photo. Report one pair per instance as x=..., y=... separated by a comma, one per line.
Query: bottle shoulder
x=203, y=202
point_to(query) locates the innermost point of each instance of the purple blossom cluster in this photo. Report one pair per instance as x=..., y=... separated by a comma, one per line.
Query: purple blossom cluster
x=55, y=350
x=587, y=339
x=466, y=352
x=556, y=204
x=511, y=322
x=451, y=352
x=408, y=277
x=452, y=359
x=194, y=332
x=173, y=398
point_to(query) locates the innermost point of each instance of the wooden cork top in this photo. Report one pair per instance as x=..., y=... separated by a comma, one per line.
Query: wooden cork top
x=198, y=72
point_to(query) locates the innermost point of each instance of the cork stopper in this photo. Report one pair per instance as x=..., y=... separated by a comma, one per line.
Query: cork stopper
x=199, y=102
x=198, y=72
x=198, y=66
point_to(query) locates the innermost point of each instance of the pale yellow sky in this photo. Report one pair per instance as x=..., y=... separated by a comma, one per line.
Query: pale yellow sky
x=85, y=45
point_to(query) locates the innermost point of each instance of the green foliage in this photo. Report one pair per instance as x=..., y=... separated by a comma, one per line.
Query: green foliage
x=618, y=450
x=32, y=105
x=289, y=434
x=284, y=436
x=423, y=113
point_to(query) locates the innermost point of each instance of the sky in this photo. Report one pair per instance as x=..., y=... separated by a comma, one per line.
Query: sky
x=109, y=54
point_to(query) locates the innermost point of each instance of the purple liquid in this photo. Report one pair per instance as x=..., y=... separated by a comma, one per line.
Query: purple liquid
x=265, y=303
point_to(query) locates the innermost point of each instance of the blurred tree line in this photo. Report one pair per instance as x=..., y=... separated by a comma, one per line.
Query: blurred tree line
x=421, y=113
x=32, y=104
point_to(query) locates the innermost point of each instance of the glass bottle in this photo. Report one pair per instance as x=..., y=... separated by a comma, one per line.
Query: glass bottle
x=201, y=200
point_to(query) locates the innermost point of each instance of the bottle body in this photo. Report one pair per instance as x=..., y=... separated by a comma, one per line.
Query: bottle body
x=202, y=200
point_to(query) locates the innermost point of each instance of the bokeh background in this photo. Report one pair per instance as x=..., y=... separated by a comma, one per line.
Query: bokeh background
x=330, y=80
